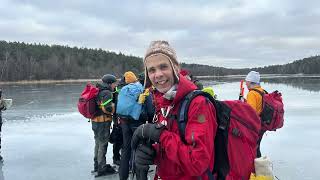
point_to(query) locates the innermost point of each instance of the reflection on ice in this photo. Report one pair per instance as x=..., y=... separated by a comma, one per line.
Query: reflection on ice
x=58, y=146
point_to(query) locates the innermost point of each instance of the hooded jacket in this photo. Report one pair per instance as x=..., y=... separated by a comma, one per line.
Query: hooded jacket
x=104, y=101
x=176, y=160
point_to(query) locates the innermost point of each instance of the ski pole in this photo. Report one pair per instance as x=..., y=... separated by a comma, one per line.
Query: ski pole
x=241, y=90
x=133, y=167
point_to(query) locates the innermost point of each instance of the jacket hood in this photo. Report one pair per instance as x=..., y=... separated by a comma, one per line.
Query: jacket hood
x=184, y=87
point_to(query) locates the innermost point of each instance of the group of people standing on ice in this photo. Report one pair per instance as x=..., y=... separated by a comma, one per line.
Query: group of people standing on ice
x=164, y=117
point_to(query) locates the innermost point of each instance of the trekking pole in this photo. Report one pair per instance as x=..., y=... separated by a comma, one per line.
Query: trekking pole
x=241, y=90
x=141, y=174
x=133, y=167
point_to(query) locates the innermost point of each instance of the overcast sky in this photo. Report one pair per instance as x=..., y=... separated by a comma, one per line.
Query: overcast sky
x=228, y=33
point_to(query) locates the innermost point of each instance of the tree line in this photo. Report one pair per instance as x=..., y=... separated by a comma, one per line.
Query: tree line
x=310, y=65
x=22, y=61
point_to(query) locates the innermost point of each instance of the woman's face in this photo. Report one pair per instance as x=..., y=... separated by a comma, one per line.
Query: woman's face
x=160, y=72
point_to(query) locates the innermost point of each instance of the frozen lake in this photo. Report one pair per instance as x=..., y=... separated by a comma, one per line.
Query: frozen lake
x=45, y=138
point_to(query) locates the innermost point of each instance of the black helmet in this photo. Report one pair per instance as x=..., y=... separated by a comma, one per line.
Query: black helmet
x=108, y=79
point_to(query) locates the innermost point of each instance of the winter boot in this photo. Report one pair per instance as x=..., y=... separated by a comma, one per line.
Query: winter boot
x=116, y=161
x=106, y=170
x=95, y=169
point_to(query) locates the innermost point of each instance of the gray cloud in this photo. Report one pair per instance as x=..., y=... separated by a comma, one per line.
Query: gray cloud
x=231, y=33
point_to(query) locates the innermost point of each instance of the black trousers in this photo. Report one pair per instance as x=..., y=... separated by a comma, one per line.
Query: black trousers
x=259, y=142
x=117, y=141
x=116, y=150
x=128, y=128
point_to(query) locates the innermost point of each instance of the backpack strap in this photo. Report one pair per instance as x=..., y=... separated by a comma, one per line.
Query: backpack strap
x=261, y=93
x=223, y=121
x=182, y=118
x=222, y=112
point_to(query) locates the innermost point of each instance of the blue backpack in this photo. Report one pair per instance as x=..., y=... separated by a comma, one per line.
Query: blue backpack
x=128, y=105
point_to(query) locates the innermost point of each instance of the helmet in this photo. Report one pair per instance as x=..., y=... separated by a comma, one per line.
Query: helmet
x=108, y=79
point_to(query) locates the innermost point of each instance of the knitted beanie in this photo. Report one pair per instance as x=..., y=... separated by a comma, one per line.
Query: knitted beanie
x=253, y=76
x=163, y=48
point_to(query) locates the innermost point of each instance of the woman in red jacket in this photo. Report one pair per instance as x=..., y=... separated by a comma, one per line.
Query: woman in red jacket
x=174, y=159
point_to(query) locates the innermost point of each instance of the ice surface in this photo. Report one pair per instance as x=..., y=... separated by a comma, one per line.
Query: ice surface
x=45, y=138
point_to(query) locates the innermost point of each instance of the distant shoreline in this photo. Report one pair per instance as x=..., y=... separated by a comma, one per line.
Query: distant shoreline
x=199, y=77
x=262, y=76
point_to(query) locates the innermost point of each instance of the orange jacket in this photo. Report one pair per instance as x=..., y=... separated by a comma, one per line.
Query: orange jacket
x=254, y=99
x=107, y=116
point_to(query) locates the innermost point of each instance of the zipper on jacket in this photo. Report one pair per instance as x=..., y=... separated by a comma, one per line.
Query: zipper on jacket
x=192, y=139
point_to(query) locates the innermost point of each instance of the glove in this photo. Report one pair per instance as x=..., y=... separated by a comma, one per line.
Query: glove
x=145, y=133
x=142, y=98
x=143, y=157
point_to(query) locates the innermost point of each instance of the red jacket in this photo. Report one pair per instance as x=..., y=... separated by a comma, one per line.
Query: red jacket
x=176, y=160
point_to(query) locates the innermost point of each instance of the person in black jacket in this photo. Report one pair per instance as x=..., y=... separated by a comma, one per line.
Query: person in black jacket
x=116, y=135
x=101, y=124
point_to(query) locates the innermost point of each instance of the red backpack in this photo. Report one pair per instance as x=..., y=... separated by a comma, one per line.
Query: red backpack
x=236, y=139
x=272, y=110
x=87, y=104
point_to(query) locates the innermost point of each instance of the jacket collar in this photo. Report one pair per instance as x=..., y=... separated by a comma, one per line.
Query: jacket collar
x=185, y=86
x=258, y=87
